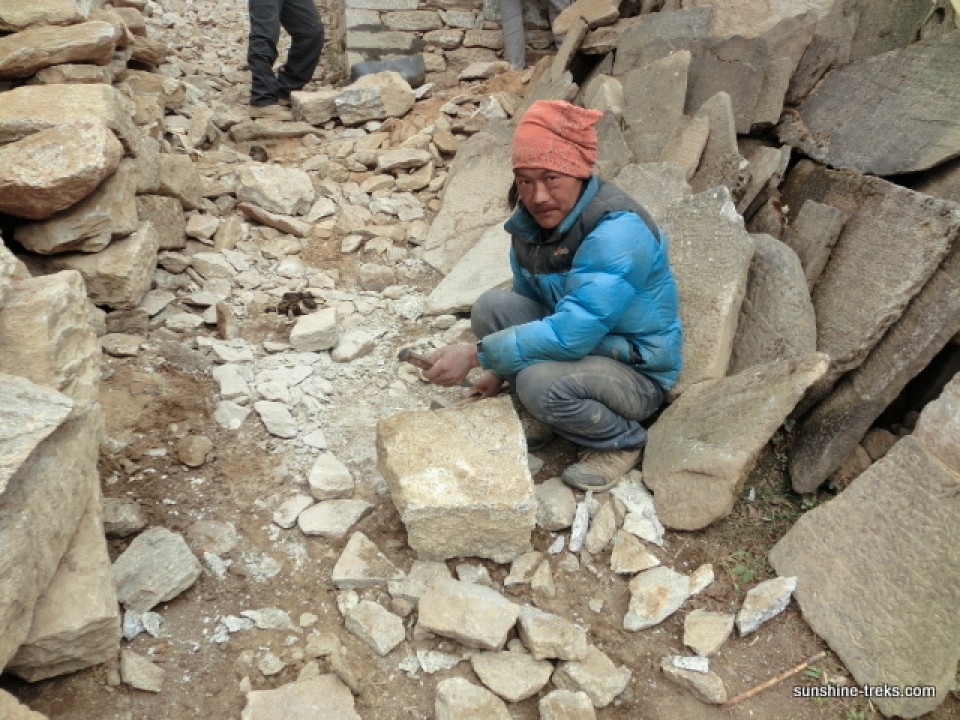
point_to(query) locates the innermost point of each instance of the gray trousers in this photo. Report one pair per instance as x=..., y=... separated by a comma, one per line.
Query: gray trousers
x=514, y=35
x=301, y=20
x=596, y=402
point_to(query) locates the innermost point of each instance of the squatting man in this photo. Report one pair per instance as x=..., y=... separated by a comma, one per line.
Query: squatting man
x=589, y=336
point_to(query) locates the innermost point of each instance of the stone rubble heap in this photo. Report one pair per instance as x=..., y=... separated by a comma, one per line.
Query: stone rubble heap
x=131, y=177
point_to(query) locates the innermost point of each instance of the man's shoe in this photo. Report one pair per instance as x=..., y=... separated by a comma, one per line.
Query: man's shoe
x=600, y=470
x=537, y=434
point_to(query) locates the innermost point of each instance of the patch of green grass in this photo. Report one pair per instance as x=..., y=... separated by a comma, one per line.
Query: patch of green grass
x=744, y=569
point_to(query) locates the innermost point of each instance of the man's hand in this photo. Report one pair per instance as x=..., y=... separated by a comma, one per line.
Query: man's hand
x=451, y=364
x=487, y=385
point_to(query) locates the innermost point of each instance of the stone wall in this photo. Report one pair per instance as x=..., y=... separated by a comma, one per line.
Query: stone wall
x=449, y=33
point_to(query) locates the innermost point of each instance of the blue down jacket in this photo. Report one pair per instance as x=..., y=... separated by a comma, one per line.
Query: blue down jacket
x=605, y=279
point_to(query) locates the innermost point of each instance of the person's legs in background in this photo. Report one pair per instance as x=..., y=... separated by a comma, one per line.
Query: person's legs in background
x=262, y=50
x=301, y=20
x=514, y=36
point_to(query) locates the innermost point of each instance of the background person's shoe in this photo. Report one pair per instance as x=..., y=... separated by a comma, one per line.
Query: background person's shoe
x=600, y=470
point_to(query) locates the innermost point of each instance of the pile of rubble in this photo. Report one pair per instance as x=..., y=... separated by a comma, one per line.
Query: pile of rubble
x=807, y=293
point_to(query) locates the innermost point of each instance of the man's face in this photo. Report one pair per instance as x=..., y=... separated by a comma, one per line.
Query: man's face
x=547, y=194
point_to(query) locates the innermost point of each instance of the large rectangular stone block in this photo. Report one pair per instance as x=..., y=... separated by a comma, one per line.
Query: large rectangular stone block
x=459, y=479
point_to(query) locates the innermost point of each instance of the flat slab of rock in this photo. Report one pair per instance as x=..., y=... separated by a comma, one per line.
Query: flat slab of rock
x=939, y=426
x=890, y=246
x=46, y=336
x=52, y=169
x=276, y=189
x=324, y=696
x=24, y=53
x=893, y=529
x=31, y=108
x=831, y=431
x=595, y=675
x=376, y=626
x=17, y=16
x=333, y=518
x=696, y=482
x=474, y=615
x=763, y=602
x=707, y=687
x=459, y=699
x=705, y=632
x=362, y=565
x=40, y=511
x=76, y=623
x=156, y=567
x=710, y=253
x=484, y=266
x=118, y=276
x=655, y=595
x=915, y=125
x=28, y=414
x=108, y=213
x=548, y=636
x=459, y=479
x=776, y=317
x=475, y=192
x=514, y=676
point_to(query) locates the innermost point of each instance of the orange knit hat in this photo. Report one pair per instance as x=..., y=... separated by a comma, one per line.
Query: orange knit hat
x=555, y=135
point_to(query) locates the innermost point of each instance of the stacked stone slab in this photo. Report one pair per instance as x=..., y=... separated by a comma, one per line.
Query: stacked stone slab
x=447, y=36
x=884, y=549
x=57, y=602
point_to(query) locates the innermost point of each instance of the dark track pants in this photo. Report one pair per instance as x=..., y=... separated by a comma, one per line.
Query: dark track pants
x=301, y=20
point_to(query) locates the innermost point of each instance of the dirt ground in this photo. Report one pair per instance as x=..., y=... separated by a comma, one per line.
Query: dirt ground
x=150, y=404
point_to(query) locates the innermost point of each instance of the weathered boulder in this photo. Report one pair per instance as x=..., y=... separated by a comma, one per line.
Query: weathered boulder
x=46, y=336
x=166, y=216
x=118, y=276
x=710, y=253
x=315, y=108
x=885, y=550
x=28, y=414
x=51, y=170
x=654, y=185
x=24, y=53
x=15, y=15
x=776, y=317
x=374, y=97
x=697, y=460
x=31, y=108
x=324, y=696
x=277, y=189
x=459, y=479
x=76, y=623
x=156, y=567
x=913, y=126
x=596, y=13
x=890, y=246
x=827, y=435
x=180, y=179
x=459, y=699
x=109, y=213
x=474, y=615
x=514, y=676
x=812, y=235
x=475, y=191
x=39, y=514
x=657, y=35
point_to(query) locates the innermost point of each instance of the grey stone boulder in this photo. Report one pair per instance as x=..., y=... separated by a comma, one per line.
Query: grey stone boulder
x=885, y=550
x=28, y=414
x=156, y=567
x=776, y=320
x=474, y=615
x=831, y=431
x=653, y=104
x=374, y=97
x=695, y=483
x=914, y=125
x=484, y=266
x=939, y=426
x=24, y=53
x=50, y=170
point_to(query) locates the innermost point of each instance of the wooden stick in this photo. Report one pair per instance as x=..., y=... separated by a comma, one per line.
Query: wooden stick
x=774, y=680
